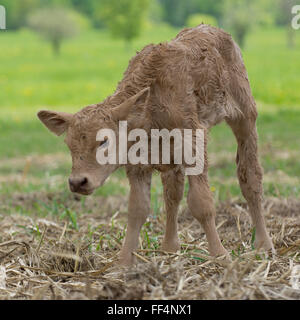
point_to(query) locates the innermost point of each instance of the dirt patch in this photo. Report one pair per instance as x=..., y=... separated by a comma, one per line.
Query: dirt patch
x=46, y=160
x=54, y=257
x=54, y=203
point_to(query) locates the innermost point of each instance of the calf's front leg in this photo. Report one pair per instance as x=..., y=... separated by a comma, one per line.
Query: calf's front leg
x=138, y=211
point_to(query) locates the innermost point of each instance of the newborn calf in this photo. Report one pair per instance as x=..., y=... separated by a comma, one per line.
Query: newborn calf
x=193, y=82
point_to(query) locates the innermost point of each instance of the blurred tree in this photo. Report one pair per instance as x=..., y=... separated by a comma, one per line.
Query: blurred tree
x=87, y=6
x=55, y=25
x=155, y=12
x=176, y=12
x=196, y=19
x=240, y=16
x=284, y=18
x=124, y=18
x=55, y=3
x=17, y=11
x=90, y=8
x=213, y=8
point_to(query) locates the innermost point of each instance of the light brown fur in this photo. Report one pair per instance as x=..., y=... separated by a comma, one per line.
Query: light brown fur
x=194, y=81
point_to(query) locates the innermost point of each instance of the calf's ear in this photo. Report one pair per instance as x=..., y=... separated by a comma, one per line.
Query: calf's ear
x=122, y=111
x=57, y=122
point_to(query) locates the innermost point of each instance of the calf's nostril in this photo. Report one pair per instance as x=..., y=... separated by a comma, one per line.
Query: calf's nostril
x=83, y=182
x=76, y=183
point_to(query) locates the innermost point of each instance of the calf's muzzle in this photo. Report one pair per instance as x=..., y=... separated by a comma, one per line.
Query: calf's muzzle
x=79, y=184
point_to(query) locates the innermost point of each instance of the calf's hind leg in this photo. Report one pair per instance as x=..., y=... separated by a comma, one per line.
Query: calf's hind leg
x=200, y=202
x=250, y=174
x=173, y=184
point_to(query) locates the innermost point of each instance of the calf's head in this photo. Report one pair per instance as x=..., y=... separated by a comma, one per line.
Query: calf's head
x=81, y=131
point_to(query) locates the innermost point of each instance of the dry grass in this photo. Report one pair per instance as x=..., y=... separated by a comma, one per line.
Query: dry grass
x=48, y=259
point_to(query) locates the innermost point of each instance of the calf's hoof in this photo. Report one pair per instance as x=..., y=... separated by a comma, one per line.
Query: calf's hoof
x=266, y=245
x=218, y=251
x=224, y=255
x=126, y=259
x=173, y=246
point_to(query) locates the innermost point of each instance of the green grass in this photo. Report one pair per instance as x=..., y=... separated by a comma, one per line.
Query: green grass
x=91, y=65
x=89, y=69
x=273, y=69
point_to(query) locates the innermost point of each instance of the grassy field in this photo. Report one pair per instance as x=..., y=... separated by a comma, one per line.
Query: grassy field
x=88, y=70
x=34, y=165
